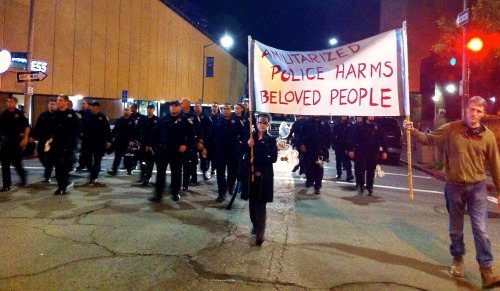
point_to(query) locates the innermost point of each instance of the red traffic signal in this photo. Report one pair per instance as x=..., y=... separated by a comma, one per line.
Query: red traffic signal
x=475, y=44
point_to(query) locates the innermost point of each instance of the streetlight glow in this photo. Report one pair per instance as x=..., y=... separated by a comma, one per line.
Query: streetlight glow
x=435, y=98
x=5, y=57
x=493, y=99
x=333, y=41
x=227, y=41
x=451, y=88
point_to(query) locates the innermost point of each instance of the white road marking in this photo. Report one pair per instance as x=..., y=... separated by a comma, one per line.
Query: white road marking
x=406, y=175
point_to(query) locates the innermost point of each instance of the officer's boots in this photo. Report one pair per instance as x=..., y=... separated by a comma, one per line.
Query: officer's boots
x=490, y=280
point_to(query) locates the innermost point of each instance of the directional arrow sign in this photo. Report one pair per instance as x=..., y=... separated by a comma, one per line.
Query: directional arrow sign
x=462, y=18
x=31, y=77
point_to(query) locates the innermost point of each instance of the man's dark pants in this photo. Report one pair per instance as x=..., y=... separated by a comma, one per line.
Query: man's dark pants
x=11, y=153
x=164, y=157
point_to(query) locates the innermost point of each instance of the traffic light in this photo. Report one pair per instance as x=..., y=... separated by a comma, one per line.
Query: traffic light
x=453, y=61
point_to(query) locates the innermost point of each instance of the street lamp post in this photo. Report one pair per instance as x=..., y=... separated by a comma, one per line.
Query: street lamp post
x=226, y=43
x=203, y=71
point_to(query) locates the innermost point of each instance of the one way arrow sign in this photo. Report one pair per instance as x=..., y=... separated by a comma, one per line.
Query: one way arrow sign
x=31, y=77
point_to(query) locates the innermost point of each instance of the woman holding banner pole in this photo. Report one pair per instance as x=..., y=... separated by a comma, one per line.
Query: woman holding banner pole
x=265, y=154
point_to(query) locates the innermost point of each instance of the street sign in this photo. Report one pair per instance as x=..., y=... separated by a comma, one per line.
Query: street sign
x=19, y=60
x=124, y=96
x=31, y=86
x=31, y=77
x=462, y=18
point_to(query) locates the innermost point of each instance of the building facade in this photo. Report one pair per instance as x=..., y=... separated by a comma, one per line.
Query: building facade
x=99, y=48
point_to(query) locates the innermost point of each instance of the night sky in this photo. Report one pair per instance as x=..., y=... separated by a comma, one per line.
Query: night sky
x=295, y=25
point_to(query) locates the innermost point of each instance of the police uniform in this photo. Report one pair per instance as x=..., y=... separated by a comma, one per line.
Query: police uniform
x=191, y=157
x=244, y=124
x=12, y=127
x=65, y=133
x=294, y=139
x=206, y=125
x=168, y=135
x=41, y=133
x=316, y=139
x=226, y=136
x=210, y=140
x=84, y=160
x=96, y=131
x=121, y=136
x=365, y=141
x=137, y=155
x=340, y=135
x=145, y=128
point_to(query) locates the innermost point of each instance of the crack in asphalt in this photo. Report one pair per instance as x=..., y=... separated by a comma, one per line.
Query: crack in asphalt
x=202, y=272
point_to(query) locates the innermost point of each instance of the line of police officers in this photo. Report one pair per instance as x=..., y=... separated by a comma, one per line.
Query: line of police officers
x=181, y=139
x=360, y=141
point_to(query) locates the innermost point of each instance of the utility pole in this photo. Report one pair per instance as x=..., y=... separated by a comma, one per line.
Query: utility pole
x=28, y=88
x=465, y=68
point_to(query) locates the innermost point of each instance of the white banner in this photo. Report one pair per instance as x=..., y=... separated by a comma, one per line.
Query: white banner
x=365, y=78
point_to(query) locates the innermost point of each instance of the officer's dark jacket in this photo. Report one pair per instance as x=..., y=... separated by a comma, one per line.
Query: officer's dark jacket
x=245, y=127
x=340, y=134
x=171, y=132
x=195, y=125
x=265, y=154
x=208, y=129
x=12, y=125
x=145, y=127
x=124, y=130
x=66, y=127
x=367, y=139
x=226, y=133
x=315, y=135
x=41, y=132
x=206, y=125
x=137, y=116
x=294, y=137
x=96, y=128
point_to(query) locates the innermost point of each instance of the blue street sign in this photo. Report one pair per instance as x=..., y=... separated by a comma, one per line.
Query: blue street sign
x=124, y=96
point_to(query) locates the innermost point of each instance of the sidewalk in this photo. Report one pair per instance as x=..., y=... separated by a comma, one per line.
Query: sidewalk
x=433, y=172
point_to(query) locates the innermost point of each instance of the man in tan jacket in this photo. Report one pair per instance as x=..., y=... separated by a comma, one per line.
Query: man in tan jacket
x=468, y=147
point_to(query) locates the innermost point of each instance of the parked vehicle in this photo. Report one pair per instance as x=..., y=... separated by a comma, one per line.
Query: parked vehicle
x=393, y=136
x=281, y=124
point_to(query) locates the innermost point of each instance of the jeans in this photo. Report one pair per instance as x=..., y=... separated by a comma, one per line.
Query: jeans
x=475, y=197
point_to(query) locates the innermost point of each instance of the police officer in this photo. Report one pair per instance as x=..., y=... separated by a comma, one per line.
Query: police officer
x=41, y=133
x=315, y=141
x=134, y=112
x=364, y=145
x=145, y=126
x=226, y=134
x=206, y=124
x=191, y=156
x=240, y=117
x=169, y=141
x=360, y=120
x=65, y=131
x=294, y=138
x=340, y=135
x=122, y=137
x=14, y=129
x=96, y=131
x=210, y=138
x=137, y=116
x=84, y=160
